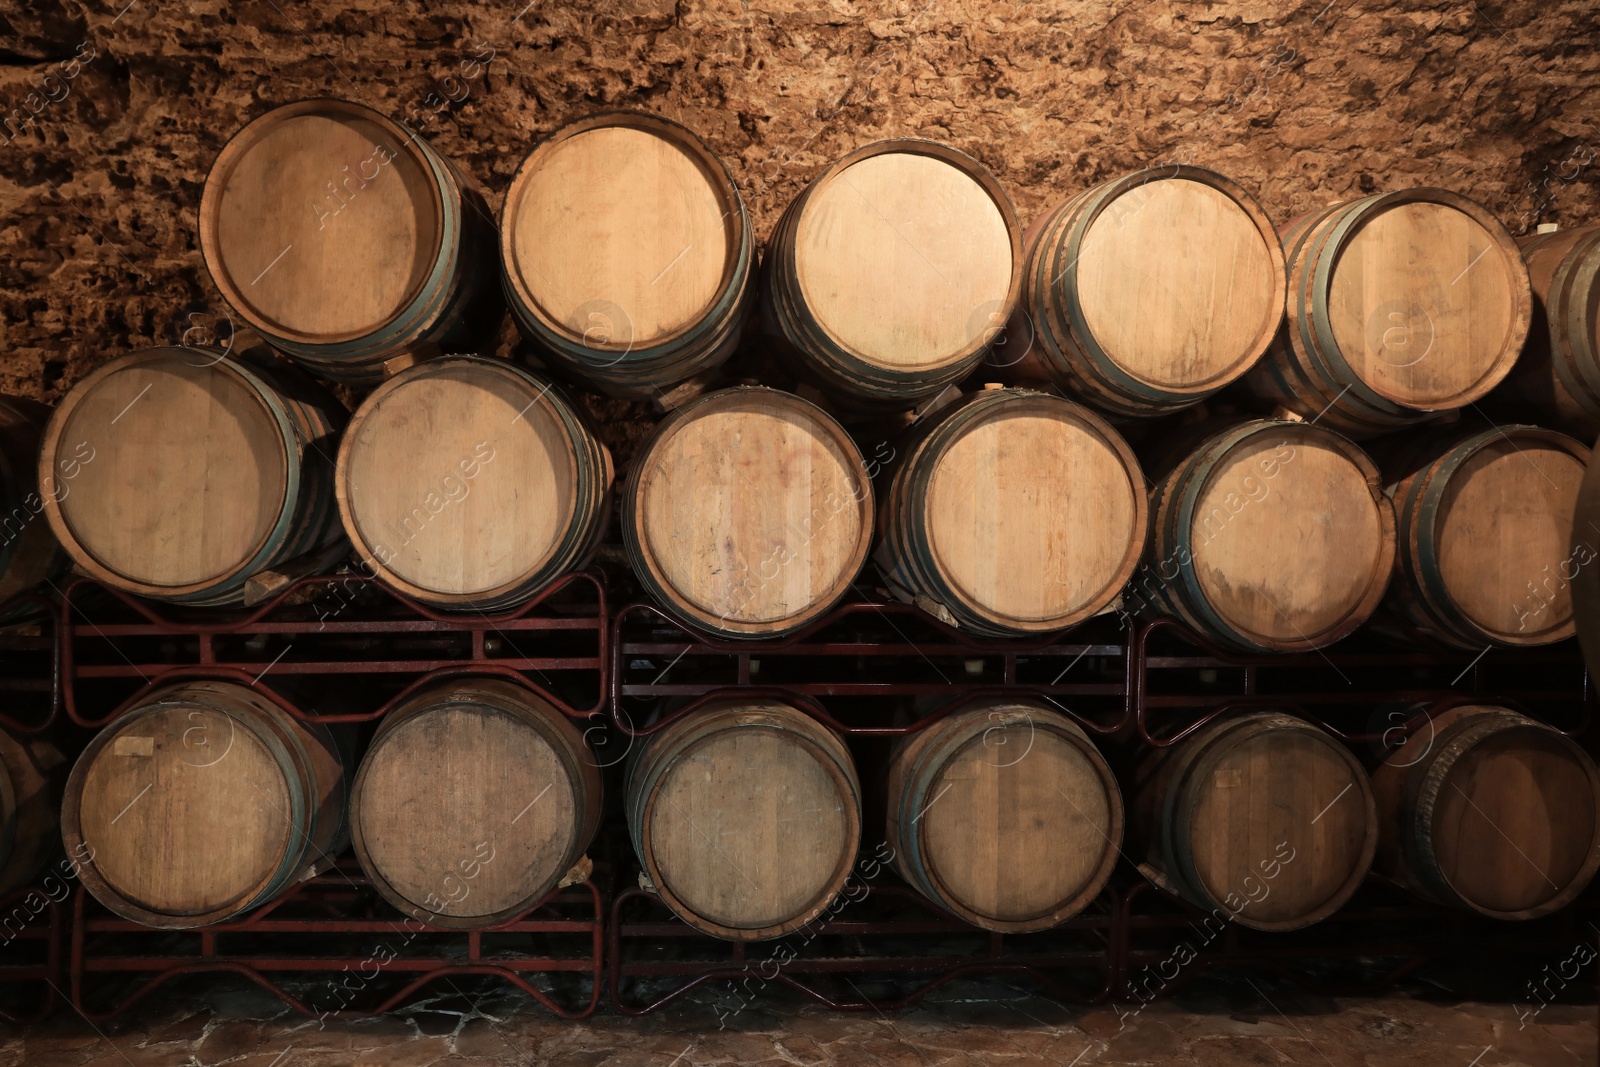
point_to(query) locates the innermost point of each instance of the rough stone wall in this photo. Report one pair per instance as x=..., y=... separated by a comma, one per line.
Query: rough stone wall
x=110, y=115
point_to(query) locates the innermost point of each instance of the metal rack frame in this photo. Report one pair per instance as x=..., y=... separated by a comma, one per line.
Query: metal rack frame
x=335, y=905
x=357, y=639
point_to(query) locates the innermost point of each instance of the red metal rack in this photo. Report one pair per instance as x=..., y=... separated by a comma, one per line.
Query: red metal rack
x=1366, y=691
x=337, y=648
x=364, y=958
x=867, y=669
x=32, y=938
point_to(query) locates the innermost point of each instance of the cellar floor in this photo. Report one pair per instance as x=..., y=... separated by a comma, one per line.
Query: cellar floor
x=1221, y=1022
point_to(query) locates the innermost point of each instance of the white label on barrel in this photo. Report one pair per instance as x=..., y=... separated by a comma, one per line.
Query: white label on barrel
x=133, y=746
x=1228, y=778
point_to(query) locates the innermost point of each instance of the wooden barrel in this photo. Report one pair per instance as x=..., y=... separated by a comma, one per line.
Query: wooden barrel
x=1487, y=550
x=628, y=253
x=471, y=484
x=1500, y=814
x=746, y=817
x=344, y=239
x=749, y=513
x=1148, y=293
x=29, y=552
x=1585, y=583
x=1012, y=512
x=1005, y=814
x=31, y=770
x=1556, y=382
x=473, y=801
x=1272, y=536
x=1401, y=305
x=1263, y=819
x=893, y=272
x=201, y=803
x=207, y=469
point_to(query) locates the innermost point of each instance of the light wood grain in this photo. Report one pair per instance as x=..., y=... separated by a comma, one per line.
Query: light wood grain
x=1263, y=817
x=201, y=803
x=1031, y=516
x=190, y=471
x=472, y=802
x=746, y=818
x=1506, y=521
x=1005, y=814
x=1147, y=293
x=1422, y=303
x=1488, y=552
x=750, y=512
x=1271, y=536
x=405, y=480
x=899, y=256
x=1300, y=564
x=618, y=216
x=323, y=222
x=1400, y=305
x=1177, y=284
x=1030, y=507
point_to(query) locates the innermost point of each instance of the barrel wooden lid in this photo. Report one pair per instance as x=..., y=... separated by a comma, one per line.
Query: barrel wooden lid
x=1283, y=800
x=190, y=473
x=1178, y=283
x=620, y=231
x=753, y=508
x=186, y=811
x=1018, y=822
x=1505, y=523
x=1037, y=511
x=464, y=810
x=458, y=477
x=1514, y=820
x=321, y=221
x=750, y=827
x=1291, y=536
x=1426, y=303
x=904, y=259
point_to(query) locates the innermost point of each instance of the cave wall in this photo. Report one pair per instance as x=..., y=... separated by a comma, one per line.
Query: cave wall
x=110, y=115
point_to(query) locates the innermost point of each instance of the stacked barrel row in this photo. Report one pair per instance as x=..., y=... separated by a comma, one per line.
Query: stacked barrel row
x=476, y=798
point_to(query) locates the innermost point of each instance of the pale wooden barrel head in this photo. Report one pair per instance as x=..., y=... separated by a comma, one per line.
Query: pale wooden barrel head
x=749, y=828
x=1032, y=513
x=1017, y=823
x=1277, y=794
x=190, y=471
x=1176, y=284
x=1514, y=821
x=617, y=234
x=187, y=811
x=754, y=509
x=458, y=479
x=1288, y=556
x=1506, y=521
x=904, y=260
x=321, y=221
x=465, y=811
x=1422, y=301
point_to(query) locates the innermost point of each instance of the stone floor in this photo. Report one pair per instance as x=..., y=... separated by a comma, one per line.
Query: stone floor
x=1219, y=1023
